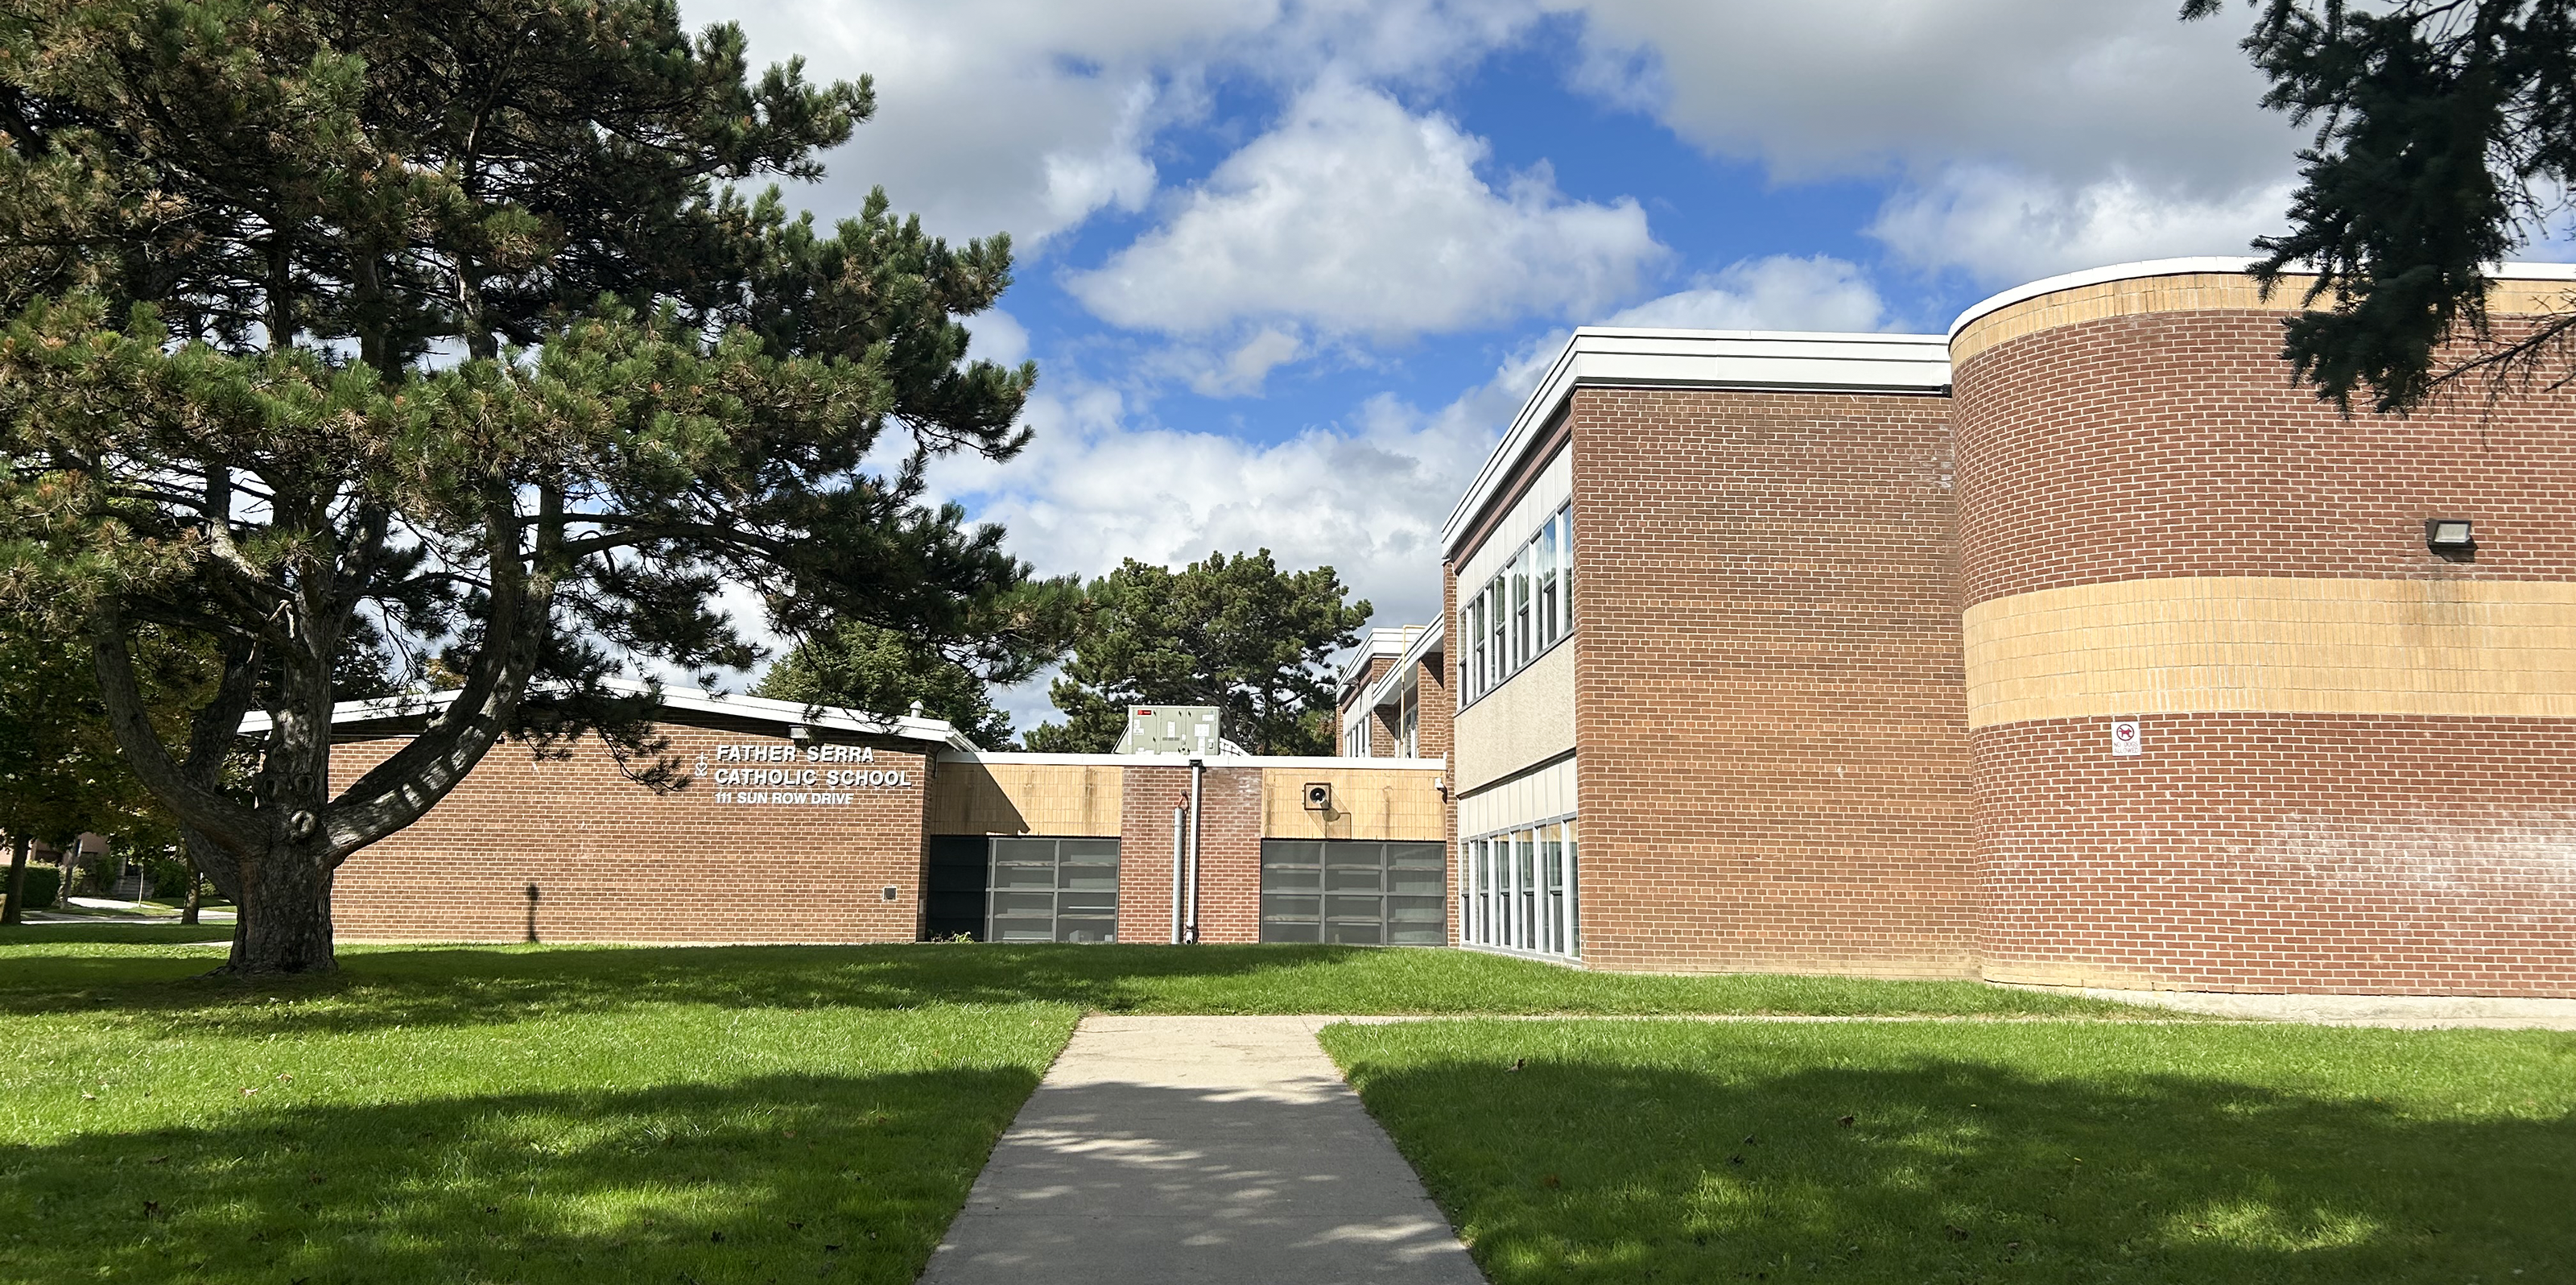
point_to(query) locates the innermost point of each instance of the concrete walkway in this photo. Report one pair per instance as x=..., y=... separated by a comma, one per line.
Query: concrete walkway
x=1197, y=1149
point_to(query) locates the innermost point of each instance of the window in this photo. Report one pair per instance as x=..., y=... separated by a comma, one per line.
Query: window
x=1521, y=612
x=1358, y=893
x=1517, y=890
x=1522, y=649
x=1565, y=578
x=1473, y=617
x=1545, y=575
x=1005, y=888
x=1409, y=724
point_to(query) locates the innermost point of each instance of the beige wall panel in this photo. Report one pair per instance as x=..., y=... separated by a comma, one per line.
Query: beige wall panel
x=2189, y=292
x=1527, y=720
x=2254, y=644
x=1368, y=803
x=1072, y=800
x=1547, y=792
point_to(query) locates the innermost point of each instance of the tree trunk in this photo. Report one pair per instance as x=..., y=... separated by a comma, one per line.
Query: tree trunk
x=285, y=911
x=17, y=896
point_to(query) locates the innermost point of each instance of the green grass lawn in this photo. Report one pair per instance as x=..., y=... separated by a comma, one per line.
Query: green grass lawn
x=2096, y=1152
x=561, y=1114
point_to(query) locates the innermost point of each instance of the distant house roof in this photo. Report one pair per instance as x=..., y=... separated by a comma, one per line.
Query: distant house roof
x=680, y=700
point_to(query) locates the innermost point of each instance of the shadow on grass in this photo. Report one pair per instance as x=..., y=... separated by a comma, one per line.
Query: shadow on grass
x=110, y=932
x=479, y=985
x=784, y=1177
x=1737, y=1163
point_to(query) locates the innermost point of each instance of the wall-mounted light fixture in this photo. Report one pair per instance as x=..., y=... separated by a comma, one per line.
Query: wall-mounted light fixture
x=1319, y=796
x=2453, y=538
x=801, y=734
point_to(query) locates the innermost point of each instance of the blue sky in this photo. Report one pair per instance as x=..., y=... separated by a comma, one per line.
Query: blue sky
x=1288, y=268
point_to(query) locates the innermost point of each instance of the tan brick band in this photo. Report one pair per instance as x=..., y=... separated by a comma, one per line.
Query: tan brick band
x=2263, y=644
x=2190, y=292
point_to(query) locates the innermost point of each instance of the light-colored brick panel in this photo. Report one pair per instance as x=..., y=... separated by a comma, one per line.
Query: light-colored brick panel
x=1026, y=798
x=2191, y=292
x=2274, y=644
x=1368, y=803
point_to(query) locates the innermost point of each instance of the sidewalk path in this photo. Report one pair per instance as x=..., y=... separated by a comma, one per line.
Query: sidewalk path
x=1197, y=1149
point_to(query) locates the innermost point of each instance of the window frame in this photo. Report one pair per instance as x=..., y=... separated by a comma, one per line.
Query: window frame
x=1524, y=611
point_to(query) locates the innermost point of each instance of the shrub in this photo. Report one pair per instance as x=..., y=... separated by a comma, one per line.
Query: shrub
x=44, y=884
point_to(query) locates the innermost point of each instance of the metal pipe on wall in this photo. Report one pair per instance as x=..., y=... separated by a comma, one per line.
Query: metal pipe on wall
x=1180, y=870
x=1198, y=773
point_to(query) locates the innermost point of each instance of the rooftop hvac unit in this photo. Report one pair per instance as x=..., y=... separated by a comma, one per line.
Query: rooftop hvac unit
x=1170, y=729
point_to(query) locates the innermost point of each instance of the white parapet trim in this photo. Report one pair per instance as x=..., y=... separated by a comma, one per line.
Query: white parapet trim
x=1729, y=360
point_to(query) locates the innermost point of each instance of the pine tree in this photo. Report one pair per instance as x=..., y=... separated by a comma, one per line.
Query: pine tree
x=1236, y=633
x=2446, y=136
x=444, y=319
x=882, y=671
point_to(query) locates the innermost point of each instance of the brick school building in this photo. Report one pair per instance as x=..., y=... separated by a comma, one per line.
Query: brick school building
x=793, y=824
x=2075, y=647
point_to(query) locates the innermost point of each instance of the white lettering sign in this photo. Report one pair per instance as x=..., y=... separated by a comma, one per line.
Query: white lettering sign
x=788, y=785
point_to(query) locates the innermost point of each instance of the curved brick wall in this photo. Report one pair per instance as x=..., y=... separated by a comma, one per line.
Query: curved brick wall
x=2360, y=766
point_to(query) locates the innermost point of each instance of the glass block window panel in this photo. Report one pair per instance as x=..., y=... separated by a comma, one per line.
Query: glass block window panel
x=1045, y=889
x=1354, y=892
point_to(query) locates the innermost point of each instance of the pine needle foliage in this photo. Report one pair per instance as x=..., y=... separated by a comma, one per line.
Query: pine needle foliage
x=446, y=325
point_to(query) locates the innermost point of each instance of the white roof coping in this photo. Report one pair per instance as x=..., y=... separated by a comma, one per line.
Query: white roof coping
x=690, y=699
x=1020, y=757
x=1747, y=360
x=1390, y=684
x=1376, y=643
x=2195, y=266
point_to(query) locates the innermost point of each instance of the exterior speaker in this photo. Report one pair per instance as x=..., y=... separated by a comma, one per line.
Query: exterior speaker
x=1319, y=796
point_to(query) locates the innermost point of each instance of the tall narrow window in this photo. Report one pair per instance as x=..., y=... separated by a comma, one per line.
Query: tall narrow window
x=1526, y=884
x=1521, y=648
x=1471, y=619
x=1409, y=725
x=1546, y=573
x=1470, y=855
x=1565, y=575
x=1551, y=875
x=1575, y=910
x=1498, y=626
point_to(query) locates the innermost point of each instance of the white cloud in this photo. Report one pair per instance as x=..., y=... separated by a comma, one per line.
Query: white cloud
x=1366, y=496
x=2082, y=129
x=1780, y=292
x=995, y=116
x=998, y=115
x=1355, y=217
x=2004, y=225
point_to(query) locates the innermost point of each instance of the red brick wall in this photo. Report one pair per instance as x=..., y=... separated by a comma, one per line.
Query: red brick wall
x=1774, y=769
x=1229, y=853
x=2172, y=444
x=1145, y=851
x=613, y=861
x=2261, y=852
x=1431, y=735
x=1381, y=740
x=2273, y=852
